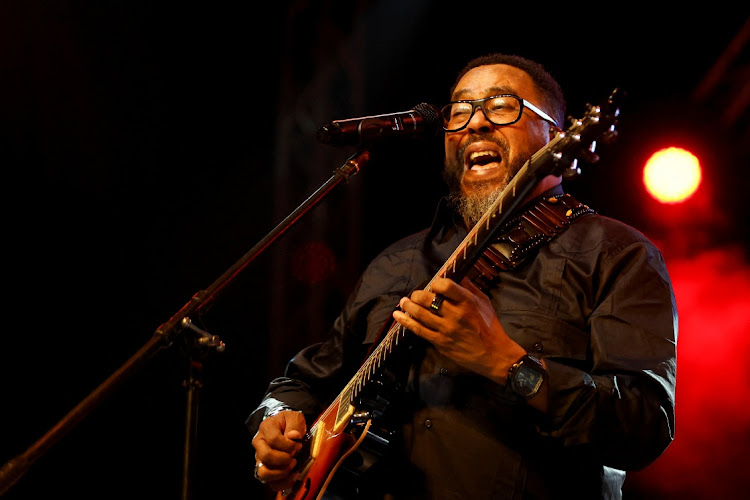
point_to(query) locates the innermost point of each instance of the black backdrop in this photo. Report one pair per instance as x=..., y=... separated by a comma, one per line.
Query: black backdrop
x=147, y=146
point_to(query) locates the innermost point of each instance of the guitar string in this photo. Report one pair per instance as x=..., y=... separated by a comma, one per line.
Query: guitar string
x=378, y=354
x=396, y=330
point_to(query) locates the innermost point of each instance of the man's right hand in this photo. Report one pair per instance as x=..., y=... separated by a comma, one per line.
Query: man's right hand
x=277, y=441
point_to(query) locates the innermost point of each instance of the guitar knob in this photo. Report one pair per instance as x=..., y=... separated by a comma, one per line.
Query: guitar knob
x=610, y=136
x=589, y=157
x=573, y=171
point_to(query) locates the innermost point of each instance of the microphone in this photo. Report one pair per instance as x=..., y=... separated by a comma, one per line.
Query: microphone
x=423, y=120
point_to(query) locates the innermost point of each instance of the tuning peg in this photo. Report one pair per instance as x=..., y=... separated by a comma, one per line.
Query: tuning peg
x=575, y=122
x=573, y=171
x=610, y=136
x=589, y=156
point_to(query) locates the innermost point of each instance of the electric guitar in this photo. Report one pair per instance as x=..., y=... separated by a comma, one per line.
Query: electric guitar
x=346, y=423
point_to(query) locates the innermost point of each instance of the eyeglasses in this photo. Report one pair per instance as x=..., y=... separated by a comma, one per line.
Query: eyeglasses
x=502, y=109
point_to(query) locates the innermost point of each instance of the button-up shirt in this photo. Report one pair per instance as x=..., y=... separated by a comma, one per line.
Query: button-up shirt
x=595, y=303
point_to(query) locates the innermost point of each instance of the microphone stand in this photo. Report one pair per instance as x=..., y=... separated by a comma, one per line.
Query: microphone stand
x=165, y=335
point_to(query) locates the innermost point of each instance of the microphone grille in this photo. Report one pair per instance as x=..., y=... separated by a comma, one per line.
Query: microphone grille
x=431, y=116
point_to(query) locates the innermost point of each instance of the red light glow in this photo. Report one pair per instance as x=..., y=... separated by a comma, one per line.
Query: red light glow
x=672, y=175
x=709, y=456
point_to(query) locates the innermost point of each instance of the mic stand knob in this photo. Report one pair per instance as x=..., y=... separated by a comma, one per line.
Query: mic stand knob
x=204, y=338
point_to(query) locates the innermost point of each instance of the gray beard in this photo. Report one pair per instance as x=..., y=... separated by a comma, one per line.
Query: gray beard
x=472, y=207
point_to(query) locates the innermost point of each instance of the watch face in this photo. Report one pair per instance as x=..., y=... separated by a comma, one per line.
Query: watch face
x=527, y=380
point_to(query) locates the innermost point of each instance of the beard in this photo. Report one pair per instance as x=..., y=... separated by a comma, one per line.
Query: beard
x=472, y=199
x=471, y=207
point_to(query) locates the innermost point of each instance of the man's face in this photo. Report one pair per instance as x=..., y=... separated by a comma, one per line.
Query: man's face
x=482, y=158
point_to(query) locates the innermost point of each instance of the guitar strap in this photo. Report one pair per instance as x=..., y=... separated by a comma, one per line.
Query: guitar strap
x=520, y=236
x=545, y=218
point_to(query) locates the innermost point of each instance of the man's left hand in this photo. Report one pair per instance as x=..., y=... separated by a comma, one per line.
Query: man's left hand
x=464, y=327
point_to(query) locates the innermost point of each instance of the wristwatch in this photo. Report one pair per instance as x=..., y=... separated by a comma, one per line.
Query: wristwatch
x=525, y=377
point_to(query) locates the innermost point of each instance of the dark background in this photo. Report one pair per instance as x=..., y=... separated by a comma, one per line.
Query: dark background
x=147, y=146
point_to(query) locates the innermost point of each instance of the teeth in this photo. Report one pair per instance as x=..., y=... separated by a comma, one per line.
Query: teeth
x=480, y=154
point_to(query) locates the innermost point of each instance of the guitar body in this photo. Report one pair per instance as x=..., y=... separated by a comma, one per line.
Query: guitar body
x=345, y=441
x=326, y=446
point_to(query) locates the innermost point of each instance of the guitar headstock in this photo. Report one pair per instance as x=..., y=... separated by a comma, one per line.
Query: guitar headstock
x=580, y=140
x=558, y=157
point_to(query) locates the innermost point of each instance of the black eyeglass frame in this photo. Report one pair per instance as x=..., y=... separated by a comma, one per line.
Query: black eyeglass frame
x=479, y=103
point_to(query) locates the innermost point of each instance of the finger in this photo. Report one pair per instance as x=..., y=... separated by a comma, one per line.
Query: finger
x=415, y=326
x=422, y=297
x=422, y=314
x=295, y=426
x=447, y=288
x=272, y=444
x=272, y=459
x=284, y=431
x=430, y=301
x=276, y=478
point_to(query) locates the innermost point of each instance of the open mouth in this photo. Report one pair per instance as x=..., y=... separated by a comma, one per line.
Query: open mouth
x=482, y=156
x=483, y=159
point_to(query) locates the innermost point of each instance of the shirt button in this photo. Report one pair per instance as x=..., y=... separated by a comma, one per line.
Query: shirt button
x=444, y=371
x=428, y=423
x=538, y=347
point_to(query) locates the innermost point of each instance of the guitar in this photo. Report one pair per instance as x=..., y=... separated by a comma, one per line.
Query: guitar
x=345, y=424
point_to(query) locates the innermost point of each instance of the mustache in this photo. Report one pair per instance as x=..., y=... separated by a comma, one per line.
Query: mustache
x=501, y=143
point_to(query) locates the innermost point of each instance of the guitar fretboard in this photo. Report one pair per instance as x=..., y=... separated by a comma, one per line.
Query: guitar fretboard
x=454, y=268
x=553, y=159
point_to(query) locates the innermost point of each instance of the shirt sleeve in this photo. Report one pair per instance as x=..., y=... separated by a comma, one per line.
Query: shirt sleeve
x=623, y=406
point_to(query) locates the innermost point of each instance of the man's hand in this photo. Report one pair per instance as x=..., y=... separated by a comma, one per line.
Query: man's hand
x=276, y=443
x=465, y=328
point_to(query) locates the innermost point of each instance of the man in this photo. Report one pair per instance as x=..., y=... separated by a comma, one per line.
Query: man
x=549, y=383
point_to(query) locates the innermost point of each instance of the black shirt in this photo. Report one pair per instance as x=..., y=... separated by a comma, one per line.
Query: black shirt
x=595, y=302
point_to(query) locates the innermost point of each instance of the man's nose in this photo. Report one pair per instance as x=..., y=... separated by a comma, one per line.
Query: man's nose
x=479, y=122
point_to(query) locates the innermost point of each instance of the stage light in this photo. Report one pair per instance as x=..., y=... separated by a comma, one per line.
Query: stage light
x=672, y=175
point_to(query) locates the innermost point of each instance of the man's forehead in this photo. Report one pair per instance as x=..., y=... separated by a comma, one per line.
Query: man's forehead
x=494, y=79
x=469, y=93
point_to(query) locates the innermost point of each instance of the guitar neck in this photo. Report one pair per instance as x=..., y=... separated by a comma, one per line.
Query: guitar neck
x=455, y=268
x=557, y=156
x=480, y=236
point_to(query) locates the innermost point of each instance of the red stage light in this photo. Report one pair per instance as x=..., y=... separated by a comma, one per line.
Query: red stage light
x=672, y=175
